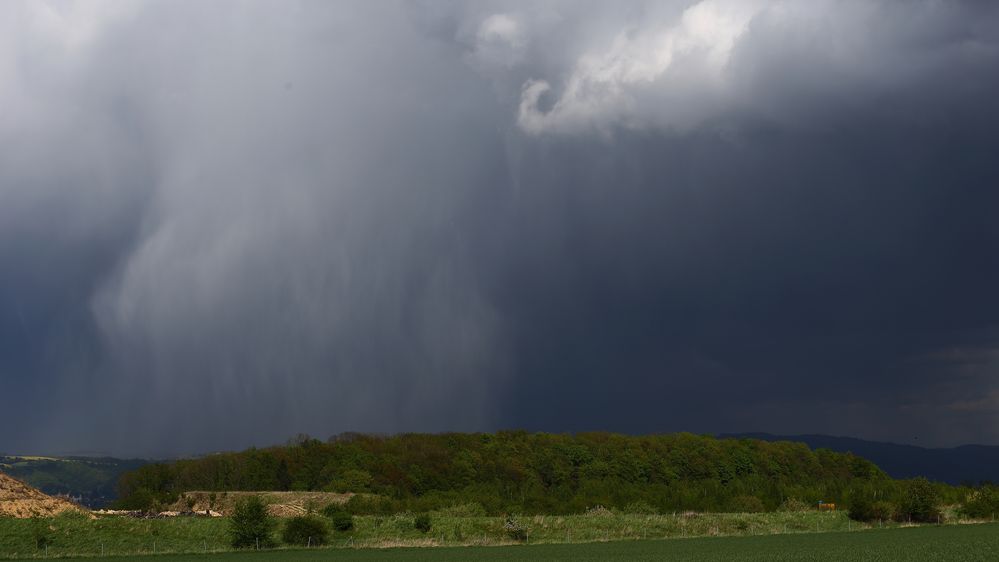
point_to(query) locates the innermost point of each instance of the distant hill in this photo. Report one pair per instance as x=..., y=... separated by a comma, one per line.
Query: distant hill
x=955, y=465
x=89, y=481
x=520, y=472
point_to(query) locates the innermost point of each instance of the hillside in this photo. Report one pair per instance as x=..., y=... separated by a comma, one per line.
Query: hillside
x=90, y=481
x=955, y=465
x=19, y=500
x=520, y=472
x=279, y=504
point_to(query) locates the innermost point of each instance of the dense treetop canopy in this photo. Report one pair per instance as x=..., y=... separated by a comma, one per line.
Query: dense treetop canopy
x=516, y=471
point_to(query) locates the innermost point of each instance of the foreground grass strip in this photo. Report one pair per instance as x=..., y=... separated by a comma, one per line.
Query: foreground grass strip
x=81, y=536
x=955, y=542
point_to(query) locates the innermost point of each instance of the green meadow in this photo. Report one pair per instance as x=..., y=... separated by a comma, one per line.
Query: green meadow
x=70, y=536
x=916, y=544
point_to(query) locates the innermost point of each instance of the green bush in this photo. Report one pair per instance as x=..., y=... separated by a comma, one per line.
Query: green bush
x=861, y=507
x=351, y=480
x=640, y=508
x=370, y=505
x=746, y=504
x=982, y=503
x=142, y=499
x=919, y=502
x=305, y=530
x=341, y=520
x=41, y=533
x=883, y=511
x=422, y=523
x=794, y=505
x=471, y=509
x=514, y=529
x=250, y=525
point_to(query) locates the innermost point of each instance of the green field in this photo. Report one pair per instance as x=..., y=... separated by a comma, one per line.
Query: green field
x=75, y=535
x=121, y=536
x=951, y=542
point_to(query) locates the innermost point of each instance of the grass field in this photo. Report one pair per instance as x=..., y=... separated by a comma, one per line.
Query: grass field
x=916, y=544
x=76, y=535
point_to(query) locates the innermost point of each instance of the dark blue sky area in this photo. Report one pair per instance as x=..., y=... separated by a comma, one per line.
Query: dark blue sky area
x=223, y=224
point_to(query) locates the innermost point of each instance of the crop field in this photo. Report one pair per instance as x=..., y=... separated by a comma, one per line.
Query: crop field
x=916, y=544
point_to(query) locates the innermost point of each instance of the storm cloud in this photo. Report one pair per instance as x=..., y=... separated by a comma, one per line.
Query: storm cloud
x=225, y=223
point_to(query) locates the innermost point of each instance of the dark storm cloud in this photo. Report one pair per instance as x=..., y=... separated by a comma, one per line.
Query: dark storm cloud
x=223, y=224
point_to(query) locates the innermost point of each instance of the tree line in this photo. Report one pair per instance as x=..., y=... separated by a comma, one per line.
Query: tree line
x=521, y=472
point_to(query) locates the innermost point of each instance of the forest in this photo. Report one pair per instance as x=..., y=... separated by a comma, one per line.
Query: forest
x=529, y=473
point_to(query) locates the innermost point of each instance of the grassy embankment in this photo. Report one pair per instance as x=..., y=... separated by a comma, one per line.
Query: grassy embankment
x=80, y=536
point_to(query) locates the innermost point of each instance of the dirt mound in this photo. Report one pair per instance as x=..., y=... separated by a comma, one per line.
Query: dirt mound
x=279, y=504
x=17, y=499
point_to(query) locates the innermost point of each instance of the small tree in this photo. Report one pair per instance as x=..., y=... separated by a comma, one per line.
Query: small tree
x=746, y=504
x=341, y=520
x=982, y=503
x=515, y=530
x=305, y=530
x=919, y=502
x=283, y=476
x=142, y=499
x=250, y=525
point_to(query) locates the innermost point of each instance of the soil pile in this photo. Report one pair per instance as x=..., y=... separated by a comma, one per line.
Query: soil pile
x=17, y=499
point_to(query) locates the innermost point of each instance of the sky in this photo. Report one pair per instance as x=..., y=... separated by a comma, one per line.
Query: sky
x=226, y=223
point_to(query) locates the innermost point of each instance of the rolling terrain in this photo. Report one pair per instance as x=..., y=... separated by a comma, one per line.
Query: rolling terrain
x=89, y=481
x=967, y=464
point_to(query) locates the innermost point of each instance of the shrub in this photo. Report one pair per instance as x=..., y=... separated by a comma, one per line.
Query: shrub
x=746, y=504
x=862, y=508
x=883, y=511
x=370, y=505
x=142, y=499
x=352, y=480
x=640, y=508
x=919, y=502
x=422, y=523
x=599, y=511
x=794, y=505
x=471, y=509
x=250, y=525
x=305, y=530
x=341, y=520
x=41, y=533
x=515, y=530
x=982, y=503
